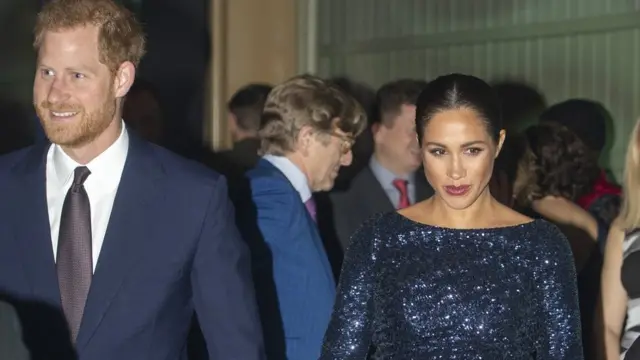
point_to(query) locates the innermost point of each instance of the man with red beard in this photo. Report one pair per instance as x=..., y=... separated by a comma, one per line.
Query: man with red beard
x=107, y=242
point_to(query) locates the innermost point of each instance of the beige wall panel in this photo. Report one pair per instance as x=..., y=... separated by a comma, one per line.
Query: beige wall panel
x=253, y=41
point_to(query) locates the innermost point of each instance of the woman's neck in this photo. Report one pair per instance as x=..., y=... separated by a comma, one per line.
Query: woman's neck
x=477, y=215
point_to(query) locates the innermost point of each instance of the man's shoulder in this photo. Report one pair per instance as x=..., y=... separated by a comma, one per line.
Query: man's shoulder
x=364, y=178
x=10, y=161
x=181, y=168
x=263, y=169
x=268, y=185
x=265, y=173
x=360, y=183
x=17, y=155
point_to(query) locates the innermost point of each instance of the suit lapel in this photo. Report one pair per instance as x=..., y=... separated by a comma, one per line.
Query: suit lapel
x=31, y=224
x=373, y=193
x=319, y=244
x=127, y=235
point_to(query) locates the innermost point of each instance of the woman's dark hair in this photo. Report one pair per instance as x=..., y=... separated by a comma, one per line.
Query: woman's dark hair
x=564, y=166
x=457, y=91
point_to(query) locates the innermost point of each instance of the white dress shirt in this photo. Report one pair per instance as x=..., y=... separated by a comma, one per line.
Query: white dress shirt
x=295, y=176
x=101, y=186
x=385, y=177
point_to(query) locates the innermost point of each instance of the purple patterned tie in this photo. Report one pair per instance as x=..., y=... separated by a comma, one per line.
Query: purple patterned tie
x=311, y=207
x=74, y=260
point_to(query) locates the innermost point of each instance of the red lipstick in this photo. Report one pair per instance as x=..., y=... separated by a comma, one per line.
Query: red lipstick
x=457, y=190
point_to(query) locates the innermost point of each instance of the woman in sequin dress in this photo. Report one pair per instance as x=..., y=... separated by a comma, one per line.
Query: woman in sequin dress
x=458, y=276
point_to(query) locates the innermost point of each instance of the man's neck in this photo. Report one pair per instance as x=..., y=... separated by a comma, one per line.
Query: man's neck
x=297, y=160
x=246, y=140
x=239, y=136
x=391, y=166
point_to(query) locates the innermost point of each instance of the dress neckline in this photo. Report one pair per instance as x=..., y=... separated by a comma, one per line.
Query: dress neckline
x=486, y=229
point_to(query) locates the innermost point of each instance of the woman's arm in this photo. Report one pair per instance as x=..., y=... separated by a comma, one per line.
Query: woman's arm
x=613, y=295
x=559, y=336
x=562, y=211
x=348, y=336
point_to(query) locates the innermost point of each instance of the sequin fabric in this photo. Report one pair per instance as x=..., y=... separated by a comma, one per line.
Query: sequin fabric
x=413, y=291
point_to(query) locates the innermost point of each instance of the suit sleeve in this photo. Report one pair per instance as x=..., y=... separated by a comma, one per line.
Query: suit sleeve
x=11, y=344
x=223, y=291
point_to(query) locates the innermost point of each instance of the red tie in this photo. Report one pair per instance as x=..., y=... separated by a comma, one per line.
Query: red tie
x=401, y=185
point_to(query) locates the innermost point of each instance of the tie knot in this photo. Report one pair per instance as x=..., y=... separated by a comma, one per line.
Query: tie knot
x=80, y=174
x=400, y=184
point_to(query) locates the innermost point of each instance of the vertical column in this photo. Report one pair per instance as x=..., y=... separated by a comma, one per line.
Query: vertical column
x=308, y=36
x=215, y=124
x=253, y=41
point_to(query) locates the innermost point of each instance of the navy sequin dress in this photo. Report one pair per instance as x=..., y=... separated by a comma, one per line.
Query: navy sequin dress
x=411, y=291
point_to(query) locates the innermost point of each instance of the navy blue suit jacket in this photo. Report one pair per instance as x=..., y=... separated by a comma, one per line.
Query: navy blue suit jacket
x=171, y=246
x=294, y=281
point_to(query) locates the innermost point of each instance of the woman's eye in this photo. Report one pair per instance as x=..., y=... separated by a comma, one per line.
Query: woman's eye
x=473, y=151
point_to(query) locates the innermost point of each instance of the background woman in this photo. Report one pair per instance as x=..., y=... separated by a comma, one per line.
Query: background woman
x=620, y=281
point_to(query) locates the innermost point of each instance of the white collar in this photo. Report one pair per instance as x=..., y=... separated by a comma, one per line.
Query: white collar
x=103, y=167
x=295, y=176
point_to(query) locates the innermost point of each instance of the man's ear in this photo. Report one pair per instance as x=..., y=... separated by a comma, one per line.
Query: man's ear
x=124, y=78
x=377, y=132
x=304, y=139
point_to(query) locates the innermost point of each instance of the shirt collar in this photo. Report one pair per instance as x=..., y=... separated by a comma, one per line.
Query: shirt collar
x=103, y=167
x=385, y=176
x=295, y=176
